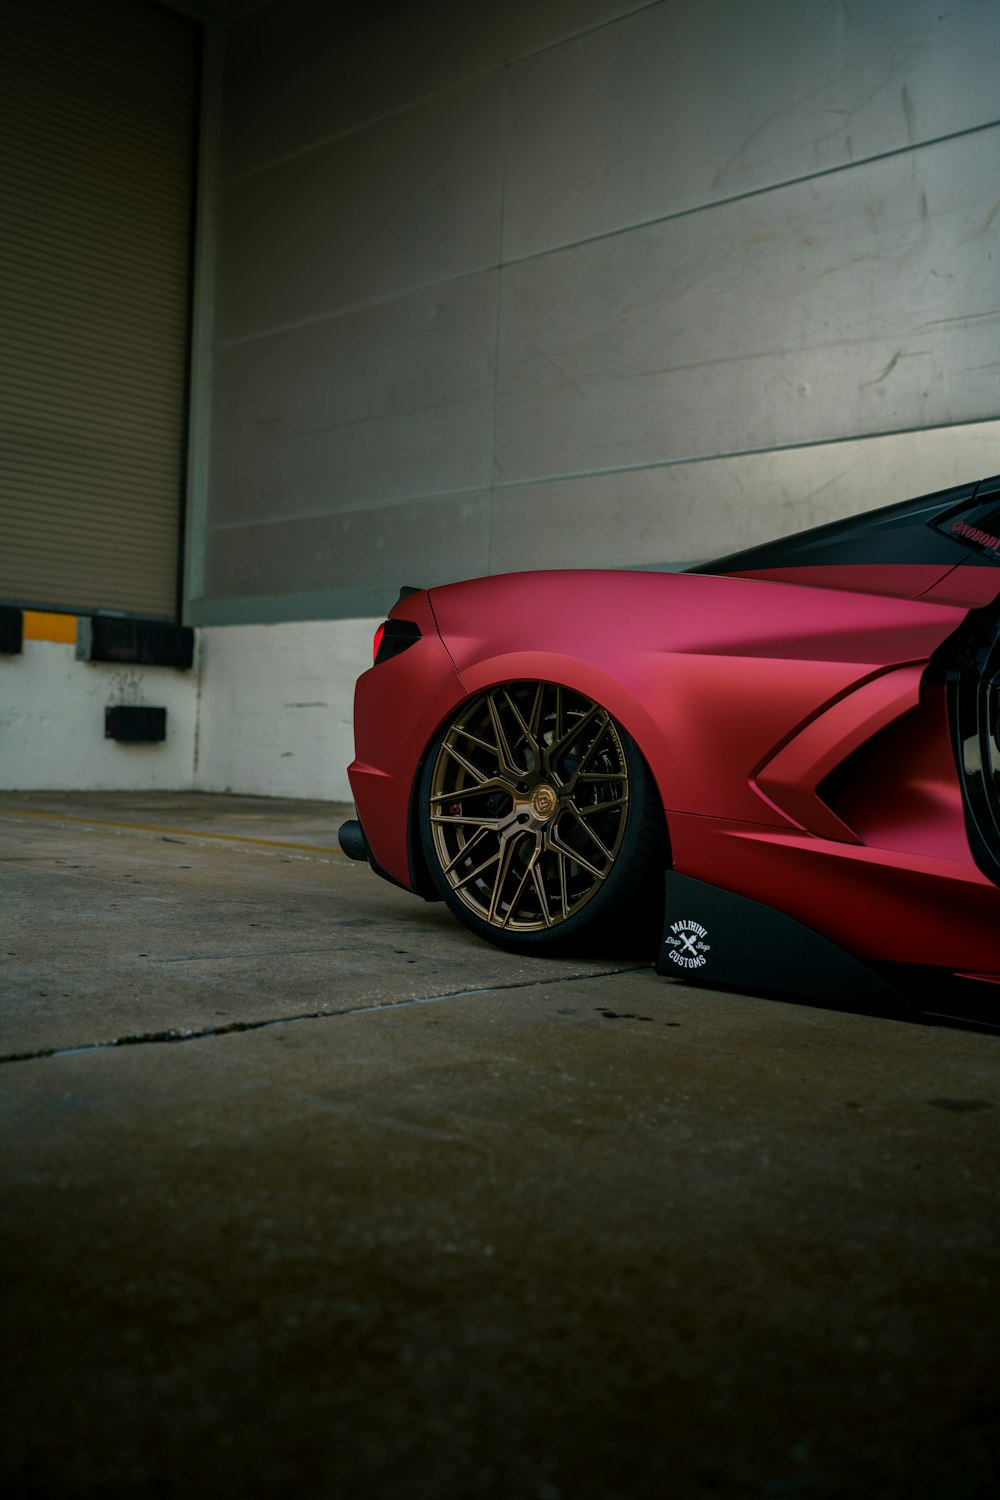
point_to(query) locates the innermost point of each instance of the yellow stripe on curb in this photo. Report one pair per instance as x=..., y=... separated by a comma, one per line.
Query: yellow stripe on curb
x=187, y=833
x=44, y=627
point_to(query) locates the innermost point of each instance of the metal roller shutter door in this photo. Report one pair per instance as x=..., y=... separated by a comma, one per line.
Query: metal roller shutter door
x=97, y=119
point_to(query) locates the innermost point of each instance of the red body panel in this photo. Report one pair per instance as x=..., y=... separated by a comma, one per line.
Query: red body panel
x=801, y=757
x=397, y=708
x=710, y=676
x=880, y=905
x=968, y=584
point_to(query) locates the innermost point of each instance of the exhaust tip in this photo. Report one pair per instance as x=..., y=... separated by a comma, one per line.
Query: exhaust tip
x=351, y=837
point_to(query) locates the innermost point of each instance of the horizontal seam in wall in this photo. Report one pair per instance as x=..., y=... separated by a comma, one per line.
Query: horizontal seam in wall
x=472, y=492
x=570, y=476
x=412, y=104
x=363, y=305
x=708, y=458
x=574, y=36
x=359, y=129
x=758, y=192
x=368, y=602
x=605, y=234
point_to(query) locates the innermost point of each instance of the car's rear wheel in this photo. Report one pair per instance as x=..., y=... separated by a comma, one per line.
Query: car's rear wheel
x=540, y=822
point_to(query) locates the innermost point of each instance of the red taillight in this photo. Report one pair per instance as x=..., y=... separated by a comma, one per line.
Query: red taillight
x=392, y=637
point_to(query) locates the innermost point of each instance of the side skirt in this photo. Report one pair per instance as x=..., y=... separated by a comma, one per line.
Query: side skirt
x=716, y=938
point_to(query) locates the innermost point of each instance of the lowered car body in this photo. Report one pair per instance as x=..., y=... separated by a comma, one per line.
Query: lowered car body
x=791, y=753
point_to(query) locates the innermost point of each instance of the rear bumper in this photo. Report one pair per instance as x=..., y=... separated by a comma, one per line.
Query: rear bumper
x=398, y=706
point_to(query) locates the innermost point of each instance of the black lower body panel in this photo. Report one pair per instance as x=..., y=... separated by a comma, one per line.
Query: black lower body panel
x=713, y=937
x=718, y=939
x=943, y=996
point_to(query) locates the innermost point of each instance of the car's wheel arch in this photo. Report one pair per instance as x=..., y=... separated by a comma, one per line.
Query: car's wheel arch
x=579, y=676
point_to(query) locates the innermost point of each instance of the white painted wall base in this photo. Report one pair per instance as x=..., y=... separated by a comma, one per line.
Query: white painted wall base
x=276, y=716
x=52, y=723
x=266, y=710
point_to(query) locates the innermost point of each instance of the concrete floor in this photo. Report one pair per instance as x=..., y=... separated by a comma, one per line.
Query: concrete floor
x=308, y=1193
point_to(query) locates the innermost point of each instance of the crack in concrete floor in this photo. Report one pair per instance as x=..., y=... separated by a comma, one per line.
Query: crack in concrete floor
x=172, y=1036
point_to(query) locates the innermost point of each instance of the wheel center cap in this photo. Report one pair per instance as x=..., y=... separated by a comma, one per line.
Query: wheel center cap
x=543, y=802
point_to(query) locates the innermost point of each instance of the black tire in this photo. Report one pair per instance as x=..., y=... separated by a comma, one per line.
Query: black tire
x=541, y=824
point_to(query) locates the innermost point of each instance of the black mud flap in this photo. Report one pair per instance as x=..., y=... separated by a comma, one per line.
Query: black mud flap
x=713, y=937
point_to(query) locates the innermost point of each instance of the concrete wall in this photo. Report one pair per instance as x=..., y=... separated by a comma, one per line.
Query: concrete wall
x=275, y=716
x=533, y=282
x=266, y=710
x=52, y=718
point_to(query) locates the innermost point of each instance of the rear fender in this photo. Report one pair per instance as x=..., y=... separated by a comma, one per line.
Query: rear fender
x=581, y=677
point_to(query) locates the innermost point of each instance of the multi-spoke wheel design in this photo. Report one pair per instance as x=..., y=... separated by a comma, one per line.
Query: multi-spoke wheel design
x=528, y=798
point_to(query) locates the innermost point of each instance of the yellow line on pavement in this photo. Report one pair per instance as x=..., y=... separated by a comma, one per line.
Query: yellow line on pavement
x=187, y=833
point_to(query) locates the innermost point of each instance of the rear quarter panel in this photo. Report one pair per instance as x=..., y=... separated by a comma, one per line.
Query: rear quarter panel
x=709, y=675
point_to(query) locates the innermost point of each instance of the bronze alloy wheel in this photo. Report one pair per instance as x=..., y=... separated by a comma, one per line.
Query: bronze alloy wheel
x=527, y=803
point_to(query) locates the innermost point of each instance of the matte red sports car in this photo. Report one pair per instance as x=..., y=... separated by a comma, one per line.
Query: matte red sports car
x=795, y=748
